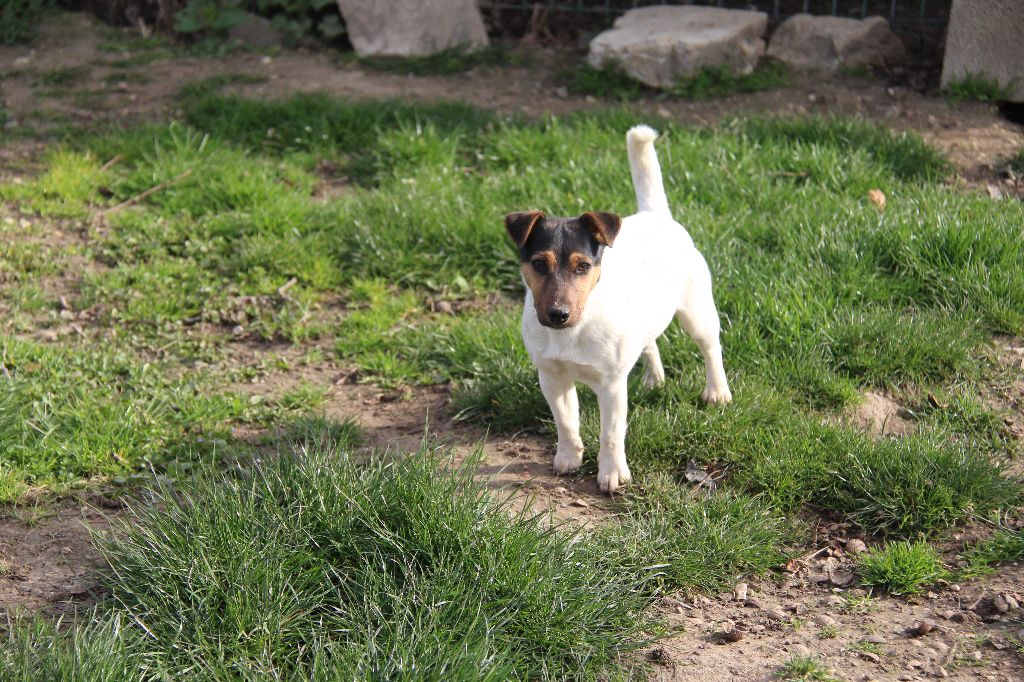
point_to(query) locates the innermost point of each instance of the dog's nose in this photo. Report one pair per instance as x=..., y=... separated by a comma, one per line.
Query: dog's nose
x=558, y=314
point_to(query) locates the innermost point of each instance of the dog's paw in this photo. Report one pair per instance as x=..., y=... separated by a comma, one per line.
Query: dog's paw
x=716, y=396
x=568, y=459
x=610, y=477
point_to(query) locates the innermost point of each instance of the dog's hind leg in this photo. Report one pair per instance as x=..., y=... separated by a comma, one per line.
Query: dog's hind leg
x=699, y=317
x=654, y=371
x=560, y=392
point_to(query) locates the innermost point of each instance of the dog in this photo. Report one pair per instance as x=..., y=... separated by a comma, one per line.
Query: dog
x=600, y=290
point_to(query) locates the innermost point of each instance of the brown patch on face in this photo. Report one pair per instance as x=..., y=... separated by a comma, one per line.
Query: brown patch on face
x=561, y=292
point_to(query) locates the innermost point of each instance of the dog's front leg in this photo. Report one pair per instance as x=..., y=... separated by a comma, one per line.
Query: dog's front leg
x=560, y=392
x=612, y=470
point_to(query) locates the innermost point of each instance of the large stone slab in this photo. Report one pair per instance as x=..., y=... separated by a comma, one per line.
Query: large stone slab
x=827, y=43
x=662, y=44
x=412, y=28
x=986, y=37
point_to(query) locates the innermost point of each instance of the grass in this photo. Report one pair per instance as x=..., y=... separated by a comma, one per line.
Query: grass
x=804, y=669
x=613, y=83
x=821, y=295
x=449, y=61
x=1017, y=162
x=977, y=87
x=63, y=76
x=19, y=19
x=705, y=544
x=1004, y=545
x=310, y=566
x=902, y=567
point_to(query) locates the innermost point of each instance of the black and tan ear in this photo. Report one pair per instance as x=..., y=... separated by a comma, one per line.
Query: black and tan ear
x=521, y=224
x=604, y=226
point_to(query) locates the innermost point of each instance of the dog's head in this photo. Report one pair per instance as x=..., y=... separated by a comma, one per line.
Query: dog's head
x=561, y=260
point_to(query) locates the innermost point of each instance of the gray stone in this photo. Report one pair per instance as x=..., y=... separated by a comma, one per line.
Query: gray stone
x=984, y=38
x=399, y=28
x=827, y=43
x=255, y=32
x=660, y=45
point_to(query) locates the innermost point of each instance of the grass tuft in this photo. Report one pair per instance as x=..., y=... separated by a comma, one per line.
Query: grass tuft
x=1004, y=545
x=449, y=61
x=612, y=82
x=978, y=87
x=902, y=567
x=804, y=669
x=310, y=566
x=704, y=544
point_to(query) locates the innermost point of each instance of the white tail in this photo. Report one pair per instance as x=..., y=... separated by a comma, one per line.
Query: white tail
x=643, y=163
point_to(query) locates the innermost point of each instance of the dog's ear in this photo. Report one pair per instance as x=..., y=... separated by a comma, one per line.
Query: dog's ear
x=604, y=226
x=521, y=224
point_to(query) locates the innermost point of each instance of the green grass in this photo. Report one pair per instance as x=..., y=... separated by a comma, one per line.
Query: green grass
x=902, y=567
x=821, y=295
x=1004, y=545
x=1017, y=162
x=62, y=77
x=450, y=61
x=804, y=669
x=310, y=566
x=977, y=87
x=704, y=544
x=19, y=19
x=613, y=83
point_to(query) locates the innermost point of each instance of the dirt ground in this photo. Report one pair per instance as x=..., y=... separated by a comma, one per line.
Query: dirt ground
x=48, y=564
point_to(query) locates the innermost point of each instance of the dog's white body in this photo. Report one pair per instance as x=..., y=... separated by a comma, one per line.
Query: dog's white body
x=652, y=273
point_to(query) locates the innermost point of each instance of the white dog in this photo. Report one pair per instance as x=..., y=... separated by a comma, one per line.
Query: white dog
x=599, y=292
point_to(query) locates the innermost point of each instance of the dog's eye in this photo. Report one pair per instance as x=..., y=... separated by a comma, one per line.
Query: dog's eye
x=582, y=268
x=540, y=265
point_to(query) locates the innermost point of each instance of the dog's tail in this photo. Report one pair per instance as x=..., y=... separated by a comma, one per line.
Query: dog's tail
x=643, y=162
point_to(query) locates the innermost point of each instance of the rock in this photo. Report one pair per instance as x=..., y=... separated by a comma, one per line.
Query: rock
x=875, y=639
x=397, y=28
x=771, y=614
x=256, y=32
x=445, y=308
x=827, y=43
x=798, y=609
x=853, y=545
x=730, y=635
x=840, y=578
x=983, y=38
x=921, y=628
x=659, y=45
x=1011, y=601
x=800, y=650
x=834, y=600
x=824, y=620
x=873, y=657
x=580, y=502
x=659, y=655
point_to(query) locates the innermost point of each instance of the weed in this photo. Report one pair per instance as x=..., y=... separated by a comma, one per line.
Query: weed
x=859, y=604
x=828, y=632
x=977, y=87
x=902, y=567
x=610, y=82
x=804, y=669
x=864, y=646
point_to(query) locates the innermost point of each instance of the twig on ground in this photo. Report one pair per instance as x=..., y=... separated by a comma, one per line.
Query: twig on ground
x=152, y=190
